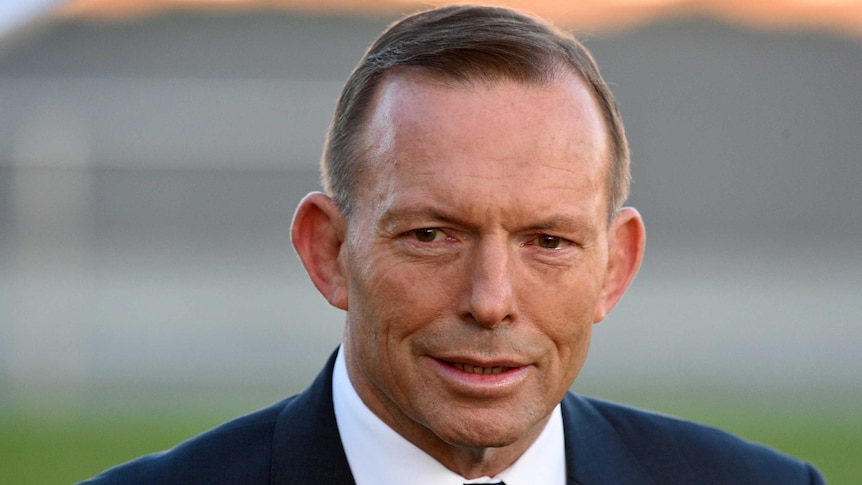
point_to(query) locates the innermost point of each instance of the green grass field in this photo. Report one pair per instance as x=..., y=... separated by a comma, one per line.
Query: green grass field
x=53, y=446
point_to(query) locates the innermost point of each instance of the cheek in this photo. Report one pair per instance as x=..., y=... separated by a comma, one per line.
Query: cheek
x=565, y=309
x=404, y=293
x=571, y=337
x=571, y=346
x=390, y=315
x=565, y=317
x=579, y=346
x=391, y=301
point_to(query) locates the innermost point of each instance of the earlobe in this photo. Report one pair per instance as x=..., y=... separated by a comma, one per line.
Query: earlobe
x=318, y=233
x=626, y=243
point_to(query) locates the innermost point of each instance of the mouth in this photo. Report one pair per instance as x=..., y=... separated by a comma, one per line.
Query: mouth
x=475, y=369
x=479, y=378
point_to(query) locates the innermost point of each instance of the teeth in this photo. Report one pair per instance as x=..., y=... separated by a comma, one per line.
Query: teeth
x=474, y=369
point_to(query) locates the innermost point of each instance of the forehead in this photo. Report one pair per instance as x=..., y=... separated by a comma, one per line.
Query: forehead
x=406, y=90
x=423, y=124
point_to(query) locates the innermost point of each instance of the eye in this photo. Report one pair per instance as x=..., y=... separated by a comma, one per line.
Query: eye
x=428, y=234
x=550, y=242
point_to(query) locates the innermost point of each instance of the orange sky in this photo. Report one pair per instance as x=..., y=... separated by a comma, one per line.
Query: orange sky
x=840, y=15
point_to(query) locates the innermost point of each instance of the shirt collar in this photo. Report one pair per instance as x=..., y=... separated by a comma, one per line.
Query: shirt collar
x=369, y=444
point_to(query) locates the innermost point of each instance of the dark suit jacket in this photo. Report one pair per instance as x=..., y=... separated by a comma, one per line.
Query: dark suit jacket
x=296, y=442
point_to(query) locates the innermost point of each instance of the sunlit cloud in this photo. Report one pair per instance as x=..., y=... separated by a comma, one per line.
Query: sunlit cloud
x=595, y=15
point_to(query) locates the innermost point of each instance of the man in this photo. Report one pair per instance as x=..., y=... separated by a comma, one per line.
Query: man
x=473, y=232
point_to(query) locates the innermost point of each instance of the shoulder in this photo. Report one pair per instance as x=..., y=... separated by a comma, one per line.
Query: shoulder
x=668, y=447
x=238, y=451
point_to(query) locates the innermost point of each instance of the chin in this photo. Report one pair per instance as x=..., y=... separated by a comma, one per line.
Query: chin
x=481, y=441
x=488, y=433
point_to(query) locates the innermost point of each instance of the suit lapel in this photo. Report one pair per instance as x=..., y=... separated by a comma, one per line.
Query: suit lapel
x=595, y=453
x=306, y=445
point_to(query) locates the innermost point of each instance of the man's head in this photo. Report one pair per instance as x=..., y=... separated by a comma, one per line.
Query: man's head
x=466, y=44
x=471, y=247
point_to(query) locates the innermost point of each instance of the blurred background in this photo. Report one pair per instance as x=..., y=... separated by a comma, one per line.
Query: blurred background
x=152, y=154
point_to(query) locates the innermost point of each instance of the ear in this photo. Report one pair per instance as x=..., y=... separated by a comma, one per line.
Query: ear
x=626, y=243
x=318, y=233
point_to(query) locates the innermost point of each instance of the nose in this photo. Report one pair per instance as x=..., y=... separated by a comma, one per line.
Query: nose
x=490, y=299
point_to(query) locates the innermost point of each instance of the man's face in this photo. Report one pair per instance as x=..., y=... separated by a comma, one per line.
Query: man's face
x=476, y=256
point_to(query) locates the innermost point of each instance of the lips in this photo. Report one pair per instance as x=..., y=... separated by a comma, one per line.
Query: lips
x=475, y=369
x=474, y=378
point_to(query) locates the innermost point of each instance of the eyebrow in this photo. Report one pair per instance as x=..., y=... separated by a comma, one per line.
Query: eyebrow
x=393, y=217
x=564, y=223
x=555, y=223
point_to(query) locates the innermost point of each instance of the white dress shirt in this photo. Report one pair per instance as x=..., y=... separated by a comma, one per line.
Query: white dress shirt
x=377, y=455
